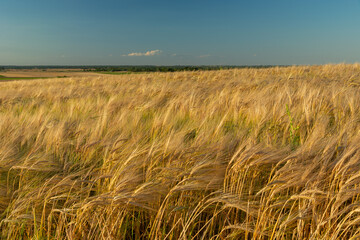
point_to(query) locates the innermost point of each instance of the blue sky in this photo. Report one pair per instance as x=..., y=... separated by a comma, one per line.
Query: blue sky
x=171, y=32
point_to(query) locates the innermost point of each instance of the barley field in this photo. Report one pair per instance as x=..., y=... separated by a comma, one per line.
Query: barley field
x=231, y=154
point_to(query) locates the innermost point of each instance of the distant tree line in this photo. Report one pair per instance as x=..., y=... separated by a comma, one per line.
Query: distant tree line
x=166, y=68
x=156, y=68
x=145, y=68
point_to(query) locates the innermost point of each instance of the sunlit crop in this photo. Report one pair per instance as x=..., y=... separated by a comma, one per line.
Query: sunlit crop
x=231, y=154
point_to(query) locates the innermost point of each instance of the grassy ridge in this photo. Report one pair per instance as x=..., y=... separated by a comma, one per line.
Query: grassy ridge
x=242, y=153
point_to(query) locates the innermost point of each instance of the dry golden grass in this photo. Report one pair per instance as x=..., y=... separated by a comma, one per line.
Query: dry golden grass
x=236, y=154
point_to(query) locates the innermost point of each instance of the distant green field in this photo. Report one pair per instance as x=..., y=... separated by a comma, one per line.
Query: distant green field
x=117, y=73
x=3, y=78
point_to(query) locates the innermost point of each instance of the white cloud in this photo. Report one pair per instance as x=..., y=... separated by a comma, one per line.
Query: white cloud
x=205, y=56
x=148, y=53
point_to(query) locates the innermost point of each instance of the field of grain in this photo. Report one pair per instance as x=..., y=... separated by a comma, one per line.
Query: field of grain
x=231, y=154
